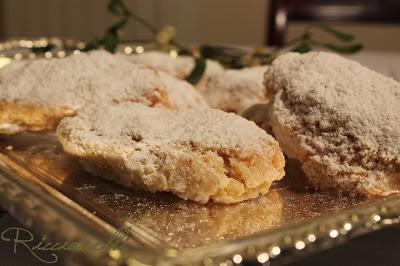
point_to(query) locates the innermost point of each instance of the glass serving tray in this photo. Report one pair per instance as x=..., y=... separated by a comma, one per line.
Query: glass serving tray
x=47, y=190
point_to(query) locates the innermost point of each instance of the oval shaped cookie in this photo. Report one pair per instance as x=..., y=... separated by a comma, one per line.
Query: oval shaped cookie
x=179, y=67
x=35, y=95
x=340, y=119
x=181, y=93
x=235, y=89
x=197, y=154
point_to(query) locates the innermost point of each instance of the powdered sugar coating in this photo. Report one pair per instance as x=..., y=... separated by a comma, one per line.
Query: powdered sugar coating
x=236, y=89
x=228, y=90
x=71, y=82
x=181, y=93
x=209, y=128
x=340, y=119
x=179, y=67
x=198, y=154
x=35, y=95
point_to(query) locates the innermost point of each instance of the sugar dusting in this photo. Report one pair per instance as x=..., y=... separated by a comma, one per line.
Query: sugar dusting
x=204, y=127
x=235, y=90
x=182, y=94
x=97, y=76
x=344, y=119
x=199, y=154
x=179, y=67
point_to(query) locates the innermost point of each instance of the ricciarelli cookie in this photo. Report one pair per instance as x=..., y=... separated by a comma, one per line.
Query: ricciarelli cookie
x=235, y=89
x=179, y=67
x=181, y=93
x=339, y=119
x=36, y=95
x=198, y=154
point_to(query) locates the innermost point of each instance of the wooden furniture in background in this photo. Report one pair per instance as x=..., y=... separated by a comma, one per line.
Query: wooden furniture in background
x=281, y=12
x=2, y=21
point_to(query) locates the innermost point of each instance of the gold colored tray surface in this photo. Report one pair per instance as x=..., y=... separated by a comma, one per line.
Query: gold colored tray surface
x=291, y=219
x=48, y=191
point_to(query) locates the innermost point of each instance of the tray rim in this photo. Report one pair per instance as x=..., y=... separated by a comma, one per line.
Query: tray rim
x=362, y=219
x=45, y=210
x=291, y=240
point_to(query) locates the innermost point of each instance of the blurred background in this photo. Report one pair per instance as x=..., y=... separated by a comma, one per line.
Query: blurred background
x=241, y=22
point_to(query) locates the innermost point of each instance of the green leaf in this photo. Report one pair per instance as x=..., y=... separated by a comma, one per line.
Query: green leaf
x=338, y=34
x=302, y=48
x=110, y=42
x=208, y=51
x=212, y=52
x=184, y=51
x=42, y=49
x=350, y=49
x=197, y=72
x=116, y=7
x=92, y=45
x=227, y=56
x=111, y=39
x=113, y=7
x=114, y=29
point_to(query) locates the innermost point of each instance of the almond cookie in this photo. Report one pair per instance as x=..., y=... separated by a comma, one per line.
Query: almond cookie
x=235, y=89
x=181, y=93
x=35, y=95
x=198, y=154
x=339, y=119
x=179, y=67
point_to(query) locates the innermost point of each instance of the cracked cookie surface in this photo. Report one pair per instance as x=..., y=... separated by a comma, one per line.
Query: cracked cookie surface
x=339, y=119
x=198, y=154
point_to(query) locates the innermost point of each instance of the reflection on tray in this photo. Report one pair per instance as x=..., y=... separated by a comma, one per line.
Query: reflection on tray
x=172, y=220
